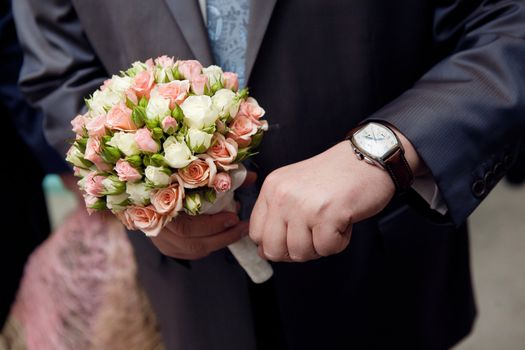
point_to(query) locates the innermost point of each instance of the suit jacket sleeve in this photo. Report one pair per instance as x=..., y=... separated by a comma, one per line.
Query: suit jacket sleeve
x=60, y=68
x=465, y=115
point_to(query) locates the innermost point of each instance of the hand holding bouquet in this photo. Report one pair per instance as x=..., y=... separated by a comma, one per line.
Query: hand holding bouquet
x=164, y=137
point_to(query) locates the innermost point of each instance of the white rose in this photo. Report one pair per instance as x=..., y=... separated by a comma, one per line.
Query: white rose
x=224, y=101
x=125, y=142
x=138, y=193
x=199, y=112
x=192, y=203
x=158, y=106
x=198, y=141
x=157, y=175
x=214, y=74
x=177, y=154
x=74, y=155
x=120, y=84
x=117, y=202
x=102, y=101
x=112, y=185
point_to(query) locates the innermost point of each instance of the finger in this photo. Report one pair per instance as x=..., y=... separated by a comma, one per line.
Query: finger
x=202, y=225
x=328, y=240
x=300, y=242
x=221, y=240
x=274, y=240
x=251, y=177
x=257, y=220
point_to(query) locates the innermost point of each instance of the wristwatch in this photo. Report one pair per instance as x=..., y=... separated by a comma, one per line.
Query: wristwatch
x=378, y=145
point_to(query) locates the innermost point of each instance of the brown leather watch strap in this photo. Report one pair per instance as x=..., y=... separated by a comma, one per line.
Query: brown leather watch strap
x=399, y=170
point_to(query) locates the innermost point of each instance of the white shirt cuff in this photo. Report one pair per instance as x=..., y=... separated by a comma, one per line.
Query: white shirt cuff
x=427, y=188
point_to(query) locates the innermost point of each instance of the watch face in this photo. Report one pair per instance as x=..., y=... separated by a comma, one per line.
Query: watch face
x=375, y=140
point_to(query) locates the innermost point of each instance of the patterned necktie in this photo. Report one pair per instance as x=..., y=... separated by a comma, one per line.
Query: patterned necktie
x=227, y=30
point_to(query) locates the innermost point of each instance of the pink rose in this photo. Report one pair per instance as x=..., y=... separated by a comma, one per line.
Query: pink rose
x=198, y=84
x=92, y=149
x=222, y=182
x=175, y=91
x=165, y=61
x=143, y=83
x=119, y=118
x=79, y=123
x=242, y=129
x=90, y=201
x=96, y=127
x=145, y=142
x=145, y=219
x=93, y=154
x=230, y=81
x=93, y=184
x=149, y=64
x=223, y=151
x=189, y=69
x=200, y=172
x=251, y=109
x=105, y=85
x=168, y=200
x=126, y=172
x=169, y=124
x=130, y=95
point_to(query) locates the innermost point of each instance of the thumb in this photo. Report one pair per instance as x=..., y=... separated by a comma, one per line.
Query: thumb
x=251, y=177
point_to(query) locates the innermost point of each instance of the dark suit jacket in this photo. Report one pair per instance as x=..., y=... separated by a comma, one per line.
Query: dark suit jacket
x=449, y=74
x=26, y=154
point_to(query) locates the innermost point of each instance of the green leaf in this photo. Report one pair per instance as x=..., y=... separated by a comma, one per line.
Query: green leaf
x=243, y=94
x=256, y=139
x=158, y=160
x=217, y=86
x=139, y=116
x=210, y=129
x=110, y=154
x=177, y=114
x=157, y=133
x=99, y=205
x=143, y=102
x=80, y=144
x=152, y=123
x=134, y=160
x=243, y=154
x=86, y=162
x=146, y=160
x=210, y=195
x=176, y=74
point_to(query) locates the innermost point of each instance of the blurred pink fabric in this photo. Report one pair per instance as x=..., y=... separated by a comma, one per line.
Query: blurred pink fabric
x=80, y=291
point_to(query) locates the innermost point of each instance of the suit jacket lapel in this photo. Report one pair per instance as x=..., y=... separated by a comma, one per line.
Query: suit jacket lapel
x=188, y=15
x=260, y=13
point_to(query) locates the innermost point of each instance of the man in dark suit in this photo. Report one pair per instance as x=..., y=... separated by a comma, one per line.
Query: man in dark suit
x=26, y=158
x=443, y=80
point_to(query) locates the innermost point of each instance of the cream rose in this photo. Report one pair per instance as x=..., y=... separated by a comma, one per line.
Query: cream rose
x=198, y=141
x=138, y=193
x=158, y=106
x=157, y=175
x=74, y=157
x=199, y=112
x=224, y=101
x=120, y=84
x=214, y=74
x=125, y=142
x=177, y=154
x=117, y=202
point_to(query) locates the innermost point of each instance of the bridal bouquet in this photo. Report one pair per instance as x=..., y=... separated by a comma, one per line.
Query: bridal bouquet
x=165, y=137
